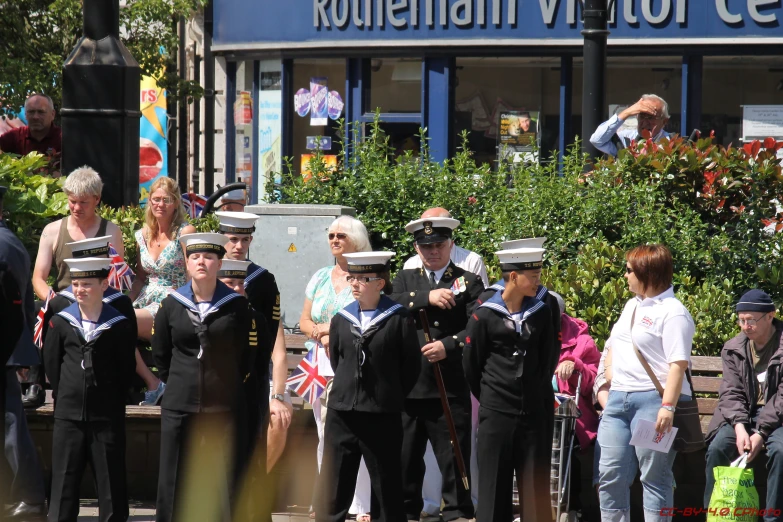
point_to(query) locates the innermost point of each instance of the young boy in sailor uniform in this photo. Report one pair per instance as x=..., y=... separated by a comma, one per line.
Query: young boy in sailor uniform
x=374, y=351
x=204, y=340
x=90, y=361
x=262, y=292
x=93, y=247
x=507, y=365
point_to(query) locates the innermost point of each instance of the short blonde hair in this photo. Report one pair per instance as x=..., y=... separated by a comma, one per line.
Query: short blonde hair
x=83, y=181
x=355, y=230
x=172, y=190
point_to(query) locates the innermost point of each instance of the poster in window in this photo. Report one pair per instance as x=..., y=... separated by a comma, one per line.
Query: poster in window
x=270, y=106
x=153, y=147
x=518, y=135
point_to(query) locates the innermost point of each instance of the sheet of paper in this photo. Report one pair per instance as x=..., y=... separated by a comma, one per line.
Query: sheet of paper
x=324, y=365
x=645, y=436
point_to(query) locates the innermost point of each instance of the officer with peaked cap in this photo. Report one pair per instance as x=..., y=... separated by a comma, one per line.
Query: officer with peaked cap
x=204, y=339
x=27, y=493
x=262, y=291
x=374, y=352
x=507, y=366
x=90, y=362
x=448, y=294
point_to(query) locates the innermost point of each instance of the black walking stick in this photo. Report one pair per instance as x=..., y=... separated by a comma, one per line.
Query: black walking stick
x=425, y=325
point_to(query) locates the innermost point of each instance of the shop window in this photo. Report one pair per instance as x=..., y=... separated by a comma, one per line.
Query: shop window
x=395, y=85
x=331, y=74
x=743, y=80
x=270, y=121
x=524, y=89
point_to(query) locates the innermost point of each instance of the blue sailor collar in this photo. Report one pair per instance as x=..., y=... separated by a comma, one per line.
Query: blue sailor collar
x=253, y=271
x=501, y=285
x=530, y=305
x=222, y=295
x=108, y=296
x=108, y=317
x=385, y=309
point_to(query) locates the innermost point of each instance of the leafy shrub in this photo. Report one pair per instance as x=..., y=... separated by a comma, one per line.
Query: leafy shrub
x=715, y=208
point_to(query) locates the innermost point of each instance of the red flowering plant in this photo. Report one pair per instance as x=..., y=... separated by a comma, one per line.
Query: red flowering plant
x=720, y=183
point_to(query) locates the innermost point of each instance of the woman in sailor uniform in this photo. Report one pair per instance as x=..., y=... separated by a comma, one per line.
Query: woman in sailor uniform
x=204, y=339
x=506, y=362
x=90, y=361
x=374, y=351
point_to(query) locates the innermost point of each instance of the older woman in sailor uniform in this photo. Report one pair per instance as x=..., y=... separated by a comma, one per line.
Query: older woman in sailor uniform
x=93, y=247
x=374, y=351
x=507, y=366
x=204, y=339
x=89, y=359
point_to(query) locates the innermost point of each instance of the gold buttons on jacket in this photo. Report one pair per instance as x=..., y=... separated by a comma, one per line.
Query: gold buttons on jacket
x=413, y=294
x=410, y=304
x=436, y=323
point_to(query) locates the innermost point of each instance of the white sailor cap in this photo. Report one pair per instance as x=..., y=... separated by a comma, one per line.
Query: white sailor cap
x=234, y=269
x=237, y=222
x=531, y=242
x=236, y=194
x=88, y=267
x=204, y=242
x=368, y=262
x=521, y=259
x=432, y=230
x=93, y=247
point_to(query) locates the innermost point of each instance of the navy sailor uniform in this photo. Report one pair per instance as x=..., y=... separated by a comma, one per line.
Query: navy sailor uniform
x=203, y=368
x=507, y=364
x=423, y=417
x=90, y=373
x=375, y=368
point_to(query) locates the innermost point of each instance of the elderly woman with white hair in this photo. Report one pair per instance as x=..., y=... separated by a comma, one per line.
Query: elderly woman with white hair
x=327, y=293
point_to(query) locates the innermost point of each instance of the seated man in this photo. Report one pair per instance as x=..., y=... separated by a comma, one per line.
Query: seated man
x=750, y=405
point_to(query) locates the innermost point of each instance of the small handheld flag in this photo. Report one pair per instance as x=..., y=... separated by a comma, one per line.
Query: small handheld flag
x=120, y=276
x=305, y=380
x=39, y=321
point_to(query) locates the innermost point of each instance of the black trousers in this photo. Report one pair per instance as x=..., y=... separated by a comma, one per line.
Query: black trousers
x=185, y=438
x=256, y=493
x=423, y=420
x=349, y=436
x=509, y=444
x=102, y=444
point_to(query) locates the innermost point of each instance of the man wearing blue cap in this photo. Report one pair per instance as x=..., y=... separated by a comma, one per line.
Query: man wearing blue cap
x=750, y=404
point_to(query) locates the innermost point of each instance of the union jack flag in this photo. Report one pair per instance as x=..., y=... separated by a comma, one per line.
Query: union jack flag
x=194, y=204
x=39, y=321
x=120, y=276
x=305, y=380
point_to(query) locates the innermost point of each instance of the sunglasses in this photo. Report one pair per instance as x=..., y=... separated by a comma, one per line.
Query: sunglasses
x=338, y=235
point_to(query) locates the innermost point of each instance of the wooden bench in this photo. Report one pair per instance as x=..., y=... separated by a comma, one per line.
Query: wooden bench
x=706, y=373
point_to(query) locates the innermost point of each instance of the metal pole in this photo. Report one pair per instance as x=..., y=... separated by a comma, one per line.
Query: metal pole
x=594, y=74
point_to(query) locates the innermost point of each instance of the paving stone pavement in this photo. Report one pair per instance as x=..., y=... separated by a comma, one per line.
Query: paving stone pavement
x=139, y=511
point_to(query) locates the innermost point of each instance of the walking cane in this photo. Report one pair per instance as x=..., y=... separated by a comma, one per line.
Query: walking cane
x=425, y=325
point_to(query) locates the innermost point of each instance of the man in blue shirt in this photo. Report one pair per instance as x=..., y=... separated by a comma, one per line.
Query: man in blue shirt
x=652, y=113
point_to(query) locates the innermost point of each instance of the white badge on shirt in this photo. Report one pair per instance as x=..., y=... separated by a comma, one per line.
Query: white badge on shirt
x=762, y=377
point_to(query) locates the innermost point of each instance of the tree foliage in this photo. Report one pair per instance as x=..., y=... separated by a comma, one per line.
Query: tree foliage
x=38, y=35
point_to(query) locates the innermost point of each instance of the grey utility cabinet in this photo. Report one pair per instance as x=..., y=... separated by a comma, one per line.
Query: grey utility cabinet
x=290, y=241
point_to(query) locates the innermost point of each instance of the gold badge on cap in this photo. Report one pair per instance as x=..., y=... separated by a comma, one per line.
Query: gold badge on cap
x=428, y=227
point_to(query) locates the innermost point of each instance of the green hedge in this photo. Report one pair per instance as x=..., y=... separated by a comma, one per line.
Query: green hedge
x=710, y=205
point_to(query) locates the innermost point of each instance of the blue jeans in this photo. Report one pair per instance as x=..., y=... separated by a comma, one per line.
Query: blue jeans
x=723, y=451
x=620, y=461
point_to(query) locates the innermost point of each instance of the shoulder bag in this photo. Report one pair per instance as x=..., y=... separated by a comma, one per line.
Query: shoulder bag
x=689, y=437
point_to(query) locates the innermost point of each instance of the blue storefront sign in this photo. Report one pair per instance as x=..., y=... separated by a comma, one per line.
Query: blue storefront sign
x=303, y=24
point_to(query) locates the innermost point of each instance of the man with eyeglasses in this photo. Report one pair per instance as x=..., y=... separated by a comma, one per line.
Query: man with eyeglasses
x=750, y=405
x=448, y=294
x=652, y=114
x=40, y=134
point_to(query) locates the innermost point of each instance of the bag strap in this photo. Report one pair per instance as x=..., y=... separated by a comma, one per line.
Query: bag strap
x=646, y=365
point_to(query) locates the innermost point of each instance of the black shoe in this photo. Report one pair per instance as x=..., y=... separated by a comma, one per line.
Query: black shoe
x=34, y=397
x=24, y=511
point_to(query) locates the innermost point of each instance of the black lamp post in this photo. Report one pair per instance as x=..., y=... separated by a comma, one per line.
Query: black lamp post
x=595, y=32
x=100, y=112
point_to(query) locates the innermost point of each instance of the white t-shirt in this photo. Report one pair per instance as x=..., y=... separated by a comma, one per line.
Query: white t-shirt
x=663, y=332
x=462, y=257
x=366, y=317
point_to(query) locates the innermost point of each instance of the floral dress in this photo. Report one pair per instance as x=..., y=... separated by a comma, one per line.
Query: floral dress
x=164, y=275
